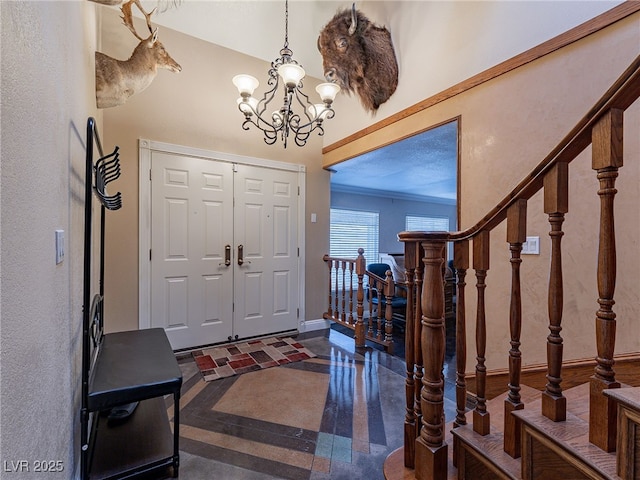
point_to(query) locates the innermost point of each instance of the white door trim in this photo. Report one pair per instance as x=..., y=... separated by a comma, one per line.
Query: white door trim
x=145, y=147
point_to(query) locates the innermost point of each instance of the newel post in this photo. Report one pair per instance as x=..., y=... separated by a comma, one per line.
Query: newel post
x=431, y=449
x=359, y=329
x=607, y=159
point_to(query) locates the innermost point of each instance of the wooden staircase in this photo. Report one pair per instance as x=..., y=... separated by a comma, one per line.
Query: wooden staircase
x=550, y=450
x=591, y=431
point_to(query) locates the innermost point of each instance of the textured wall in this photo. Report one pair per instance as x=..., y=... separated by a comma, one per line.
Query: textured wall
x=439, y=44
x=47, y=94
x=507, y=126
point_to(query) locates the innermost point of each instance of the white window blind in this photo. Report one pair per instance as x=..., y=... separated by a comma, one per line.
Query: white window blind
x=419, y=223
x=353, y=229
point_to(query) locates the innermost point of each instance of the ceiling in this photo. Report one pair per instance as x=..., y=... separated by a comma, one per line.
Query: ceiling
x=423, y=166
x=253, y=27
x=419, y=167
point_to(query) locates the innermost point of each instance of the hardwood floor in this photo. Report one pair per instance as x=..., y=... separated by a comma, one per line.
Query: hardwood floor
x=336, y=416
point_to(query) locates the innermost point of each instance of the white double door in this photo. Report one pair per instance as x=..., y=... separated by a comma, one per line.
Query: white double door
x=224, y=249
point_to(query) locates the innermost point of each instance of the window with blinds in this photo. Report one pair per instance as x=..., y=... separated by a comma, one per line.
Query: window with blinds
x=351, y=230
x=419, y=223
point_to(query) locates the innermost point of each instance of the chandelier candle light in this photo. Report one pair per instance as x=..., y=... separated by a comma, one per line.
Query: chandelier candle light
x=285, y=120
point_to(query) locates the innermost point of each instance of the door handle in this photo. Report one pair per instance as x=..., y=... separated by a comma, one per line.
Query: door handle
x=241, y=260
x=227, y=256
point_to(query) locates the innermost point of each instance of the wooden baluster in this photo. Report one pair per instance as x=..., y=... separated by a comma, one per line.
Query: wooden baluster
x=481, y=418
x=343, y=316
x=516, y=236
x=329, y=263
x=556, y=204
x=410, y=427
x=389, y=292
x=379, y=311
x=607, y=159
x=431, y=449
x=461, y=264
x=359, y=329
x=337, y=294
x=417, y=335
x=372, y=285
x=351, y=266
x=380, y=287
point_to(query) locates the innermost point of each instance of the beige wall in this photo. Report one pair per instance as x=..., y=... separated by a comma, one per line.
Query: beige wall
x=508, y=125
x=439, y=44
x=196, y=108
x=47, y=94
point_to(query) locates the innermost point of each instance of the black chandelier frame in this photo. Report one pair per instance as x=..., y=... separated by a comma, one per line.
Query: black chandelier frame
x=285, y=121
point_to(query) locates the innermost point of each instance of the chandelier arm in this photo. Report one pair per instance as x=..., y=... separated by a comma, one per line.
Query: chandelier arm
x=267, y=97
x=270, y=136
x=330, y=113
x=314, y=123
x=305, y=104
x=300, y=130
x=270, y=131
x=269, y=128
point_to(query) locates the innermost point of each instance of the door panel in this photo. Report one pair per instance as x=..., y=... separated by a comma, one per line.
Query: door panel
x=266, y=218
x=191, y=218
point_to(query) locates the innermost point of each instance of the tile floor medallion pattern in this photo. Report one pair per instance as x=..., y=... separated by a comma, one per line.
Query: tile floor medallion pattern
x=335, y=416
x=238, y=358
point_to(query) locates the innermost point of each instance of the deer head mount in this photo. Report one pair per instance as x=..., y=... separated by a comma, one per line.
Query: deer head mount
x=117, y=80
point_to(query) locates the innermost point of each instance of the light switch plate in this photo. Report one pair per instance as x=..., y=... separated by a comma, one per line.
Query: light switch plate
x=531, y=246
x=59, y=246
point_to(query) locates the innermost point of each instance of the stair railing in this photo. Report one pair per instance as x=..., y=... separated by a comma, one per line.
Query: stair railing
x=425, y=448
x=349, y=279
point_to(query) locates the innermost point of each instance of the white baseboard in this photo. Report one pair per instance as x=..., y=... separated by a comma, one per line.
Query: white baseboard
x=312, y=325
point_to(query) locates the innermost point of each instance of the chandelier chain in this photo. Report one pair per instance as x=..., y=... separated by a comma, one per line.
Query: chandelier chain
x=286, y=24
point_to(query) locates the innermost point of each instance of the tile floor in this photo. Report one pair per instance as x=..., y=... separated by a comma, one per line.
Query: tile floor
x=336, y=416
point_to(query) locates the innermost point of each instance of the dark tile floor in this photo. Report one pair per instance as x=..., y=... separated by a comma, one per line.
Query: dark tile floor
x=336, y=416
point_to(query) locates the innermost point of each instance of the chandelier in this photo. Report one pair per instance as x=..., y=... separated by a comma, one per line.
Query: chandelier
x=285, y=121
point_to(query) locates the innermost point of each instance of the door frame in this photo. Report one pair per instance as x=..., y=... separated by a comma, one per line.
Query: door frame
x=145, y=147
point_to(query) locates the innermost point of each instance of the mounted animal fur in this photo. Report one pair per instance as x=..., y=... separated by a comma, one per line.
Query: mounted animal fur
x=358, y=55
x=117, y=80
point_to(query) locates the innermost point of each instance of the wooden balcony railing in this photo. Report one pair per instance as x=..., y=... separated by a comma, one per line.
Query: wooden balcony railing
x=425, y=448
x=370, y=319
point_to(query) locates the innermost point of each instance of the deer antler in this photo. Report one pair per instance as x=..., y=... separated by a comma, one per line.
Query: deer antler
x=127, y=17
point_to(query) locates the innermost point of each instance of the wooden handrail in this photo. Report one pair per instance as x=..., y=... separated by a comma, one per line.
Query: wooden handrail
x=621, y=95
x=602, y=128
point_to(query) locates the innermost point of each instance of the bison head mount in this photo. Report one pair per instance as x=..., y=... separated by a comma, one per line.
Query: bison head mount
x=358, y=55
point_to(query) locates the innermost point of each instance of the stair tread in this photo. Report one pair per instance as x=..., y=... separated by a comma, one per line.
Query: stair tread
x=490, y=446
x=572, y=435
x=626, y=396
